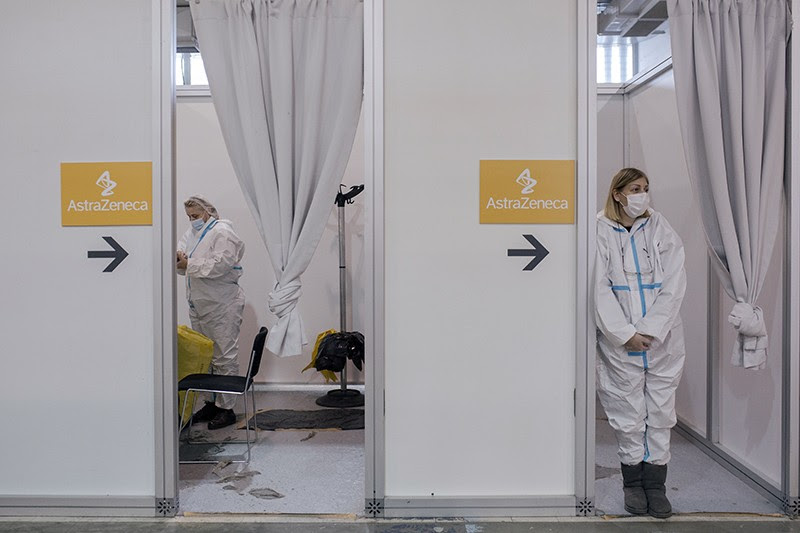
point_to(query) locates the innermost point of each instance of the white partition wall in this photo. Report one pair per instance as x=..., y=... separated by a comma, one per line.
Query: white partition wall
x=611, y=141
x=84, y=348
x=477, y=380
x=791, y=312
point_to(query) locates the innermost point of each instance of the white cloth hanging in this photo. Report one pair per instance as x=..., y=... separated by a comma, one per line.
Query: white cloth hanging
x=286, y=78
x=729, y=60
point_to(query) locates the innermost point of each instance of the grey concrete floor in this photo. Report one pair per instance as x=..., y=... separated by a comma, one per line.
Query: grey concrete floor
x=593, y=525
x=290, y=472
x=322, y=472
x=695, y=483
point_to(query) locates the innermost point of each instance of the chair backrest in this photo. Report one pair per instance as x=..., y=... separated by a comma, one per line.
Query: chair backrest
x=255, y=354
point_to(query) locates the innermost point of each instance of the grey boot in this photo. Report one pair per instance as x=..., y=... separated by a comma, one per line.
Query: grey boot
x=635, y=499
x=657, y=503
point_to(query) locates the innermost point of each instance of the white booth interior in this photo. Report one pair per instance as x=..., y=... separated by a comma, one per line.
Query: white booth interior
x=313, y=471
x=726, y=411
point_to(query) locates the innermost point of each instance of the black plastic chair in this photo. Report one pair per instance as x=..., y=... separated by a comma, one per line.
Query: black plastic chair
x=238, y=385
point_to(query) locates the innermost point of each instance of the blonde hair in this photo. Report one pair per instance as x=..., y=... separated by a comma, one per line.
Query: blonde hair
x=621, y=179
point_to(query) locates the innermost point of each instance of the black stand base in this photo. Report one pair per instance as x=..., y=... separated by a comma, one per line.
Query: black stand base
x=341, y=398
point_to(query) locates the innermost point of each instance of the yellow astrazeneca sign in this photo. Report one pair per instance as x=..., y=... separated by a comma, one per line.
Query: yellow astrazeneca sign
x=107, y=194
x=527, y=192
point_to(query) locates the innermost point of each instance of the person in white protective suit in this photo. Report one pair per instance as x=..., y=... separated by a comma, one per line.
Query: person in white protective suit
x=209, y=255
x=639, y=285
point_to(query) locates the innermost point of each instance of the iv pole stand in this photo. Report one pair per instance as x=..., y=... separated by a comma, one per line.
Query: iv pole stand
x=343, y=397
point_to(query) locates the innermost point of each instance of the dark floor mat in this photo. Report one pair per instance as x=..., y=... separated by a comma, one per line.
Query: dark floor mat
x=318, y=419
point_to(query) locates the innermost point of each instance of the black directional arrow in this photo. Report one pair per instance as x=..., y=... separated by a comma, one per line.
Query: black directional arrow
x=538, y=252
x=118, y=254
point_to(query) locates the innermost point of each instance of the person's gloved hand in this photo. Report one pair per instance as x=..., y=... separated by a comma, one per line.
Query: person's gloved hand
x=639, y=343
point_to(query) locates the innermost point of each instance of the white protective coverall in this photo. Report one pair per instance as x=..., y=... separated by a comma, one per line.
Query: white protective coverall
x=216, y=301
x=639, y=285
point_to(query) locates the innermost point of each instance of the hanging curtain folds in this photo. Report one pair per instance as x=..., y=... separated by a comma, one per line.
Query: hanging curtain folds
x=729, y=63
x=286, y=78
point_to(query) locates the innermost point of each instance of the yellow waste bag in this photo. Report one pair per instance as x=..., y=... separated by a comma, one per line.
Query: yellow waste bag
x=329, y=375
x=195, y=351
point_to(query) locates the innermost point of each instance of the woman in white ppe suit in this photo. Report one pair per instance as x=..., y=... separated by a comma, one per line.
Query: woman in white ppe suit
x=639, y=285
x=208, y=255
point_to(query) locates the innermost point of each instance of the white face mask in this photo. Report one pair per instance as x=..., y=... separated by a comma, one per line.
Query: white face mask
x=637, y=204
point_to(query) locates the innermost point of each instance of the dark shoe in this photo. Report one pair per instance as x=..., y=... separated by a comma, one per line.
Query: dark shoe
x=208, y=412
x=655, y=476
x=224, y=418
x=635, y=498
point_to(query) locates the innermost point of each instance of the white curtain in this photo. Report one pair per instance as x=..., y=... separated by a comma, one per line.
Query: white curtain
x=286, y=78
x=729, y=62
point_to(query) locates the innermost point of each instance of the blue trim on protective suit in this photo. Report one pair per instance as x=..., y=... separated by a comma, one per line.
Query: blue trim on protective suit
x=638, y=274
x=643, y=355
x=619, y=229
x=188, y=278
x=641, y=289
x=647, y=286
x=201, y=236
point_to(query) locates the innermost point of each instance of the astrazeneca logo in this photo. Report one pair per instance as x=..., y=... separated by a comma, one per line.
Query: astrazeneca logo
x=526, y=202
x=526, y=181
x=106, y=183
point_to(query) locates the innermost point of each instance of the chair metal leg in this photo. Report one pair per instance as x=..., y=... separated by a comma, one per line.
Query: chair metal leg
x=182, y=410
x=246, y=425
x=253, y=398
x=216, y=459
x=191, y=416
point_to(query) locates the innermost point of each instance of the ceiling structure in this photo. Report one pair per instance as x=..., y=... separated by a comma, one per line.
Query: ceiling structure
x=621, y=18
x=630, y=18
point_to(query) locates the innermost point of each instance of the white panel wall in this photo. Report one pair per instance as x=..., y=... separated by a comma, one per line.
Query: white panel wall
x=480, y=356
x=656, y=147
x=611, y=150
x=203, y=167
x=78, y=374
x=652, y=50
x=750, y=403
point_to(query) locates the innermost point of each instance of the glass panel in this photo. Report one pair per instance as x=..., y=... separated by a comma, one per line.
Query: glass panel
x=615, y=59
x=189, y=69
x=198, y=70
x=630, y=43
